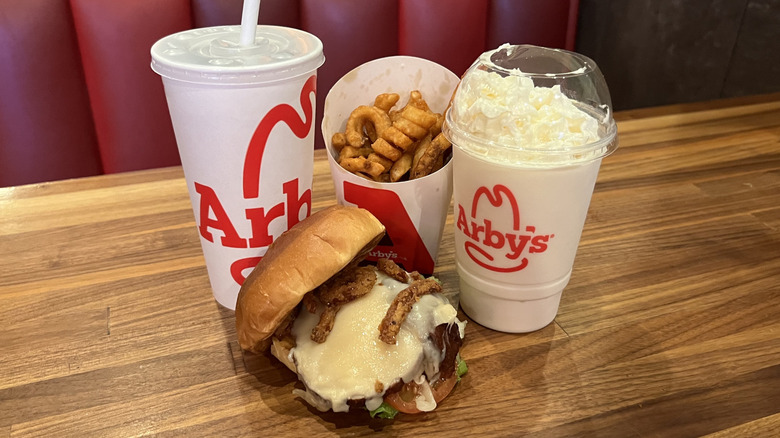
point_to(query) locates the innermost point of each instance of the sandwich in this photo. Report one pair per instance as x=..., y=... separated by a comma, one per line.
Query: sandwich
x=359, y=336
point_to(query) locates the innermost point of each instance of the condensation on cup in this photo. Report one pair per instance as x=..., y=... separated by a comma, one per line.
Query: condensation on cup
x=243, y=117
x=529, y=126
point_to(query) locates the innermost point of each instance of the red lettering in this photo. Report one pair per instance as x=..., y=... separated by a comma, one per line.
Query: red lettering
x=516, y=245
x=210, y=203
x=538, y=244
x=475, y=230
x=492, y=237
x=294, y=203
x=239, y=266
x=462, y=223
x=260, y=222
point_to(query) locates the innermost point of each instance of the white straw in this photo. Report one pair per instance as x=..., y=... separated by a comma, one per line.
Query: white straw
x=249, y=22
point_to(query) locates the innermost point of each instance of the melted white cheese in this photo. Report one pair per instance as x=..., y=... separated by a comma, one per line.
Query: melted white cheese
x=353, y=359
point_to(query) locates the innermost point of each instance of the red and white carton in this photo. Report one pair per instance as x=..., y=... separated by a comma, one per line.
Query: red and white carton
x=414, y=211
x=244, y=124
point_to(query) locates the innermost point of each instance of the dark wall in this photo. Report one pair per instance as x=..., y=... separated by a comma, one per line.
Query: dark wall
x=656, y=52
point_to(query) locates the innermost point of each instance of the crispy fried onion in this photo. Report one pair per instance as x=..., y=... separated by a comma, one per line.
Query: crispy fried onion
x=402, y=305
x=392, y=270
x=321, y=331
x=347, y=285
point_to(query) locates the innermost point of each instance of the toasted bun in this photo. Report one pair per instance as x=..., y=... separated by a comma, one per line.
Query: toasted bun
x=298, y=261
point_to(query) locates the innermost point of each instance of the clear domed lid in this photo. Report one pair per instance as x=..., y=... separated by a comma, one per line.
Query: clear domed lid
x=533, y=105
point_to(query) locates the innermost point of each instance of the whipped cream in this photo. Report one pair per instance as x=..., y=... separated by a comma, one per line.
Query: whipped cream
x=510, y=110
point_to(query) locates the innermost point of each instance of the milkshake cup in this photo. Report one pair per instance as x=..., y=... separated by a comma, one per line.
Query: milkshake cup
x=529, y=128
x=413, y=211
x=243, y=118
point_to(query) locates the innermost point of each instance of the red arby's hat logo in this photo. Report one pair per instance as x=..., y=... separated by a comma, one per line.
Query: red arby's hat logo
x=493, y=242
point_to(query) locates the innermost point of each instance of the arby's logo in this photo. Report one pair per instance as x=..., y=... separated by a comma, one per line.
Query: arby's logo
x=212, y=215
x=503, y=248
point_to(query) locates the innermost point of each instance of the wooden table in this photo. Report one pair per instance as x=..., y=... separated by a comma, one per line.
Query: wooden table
x=670, y=325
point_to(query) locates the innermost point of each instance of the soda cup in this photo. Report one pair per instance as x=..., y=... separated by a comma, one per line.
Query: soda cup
x=243, y=118
x=529, y=128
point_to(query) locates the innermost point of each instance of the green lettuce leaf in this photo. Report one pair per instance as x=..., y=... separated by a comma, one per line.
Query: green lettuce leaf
x=384, y=411
x=462, y=368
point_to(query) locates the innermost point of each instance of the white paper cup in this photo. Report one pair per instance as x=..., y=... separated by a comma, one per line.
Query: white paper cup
x=520, y=200
x=516, y=287
x=243, y=120
x=414, y=211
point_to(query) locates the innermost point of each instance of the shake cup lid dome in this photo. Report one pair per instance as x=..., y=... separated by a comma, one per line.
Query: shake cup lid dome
x=535, y=106
x=213, y=55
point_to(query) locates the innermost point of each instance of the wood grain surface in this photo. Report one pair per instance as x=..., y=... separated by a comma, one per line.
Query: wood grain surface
x=670, y=326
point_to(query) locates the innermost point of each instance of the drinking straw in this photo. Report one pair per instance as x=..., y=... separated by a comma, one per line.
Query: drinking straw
x=249, y=22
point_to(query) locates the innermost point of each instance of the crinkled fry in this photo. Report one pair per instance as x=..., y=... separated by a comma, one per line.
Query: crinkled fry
x=422, y=146
x=385, y=149
x=436, y=127
x=385, y=101
x=384, y=177
x=386, y=163
x=401, y=167
x=371, y=133
x=393, y=136
x=397, y=138
x=428, y=160
x=361, y=164
x=402, y=305
x=339, y=140
x=438, y=164
x=422, y=118
x=416, y=100
x=359, y=117
x=352, y=152
x=409, y=128
x=392, y=270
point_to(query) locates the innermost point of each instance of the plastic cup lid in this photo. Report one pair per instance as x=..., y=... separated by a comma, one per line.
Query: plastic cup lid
x=213, y=55
x=534, y=106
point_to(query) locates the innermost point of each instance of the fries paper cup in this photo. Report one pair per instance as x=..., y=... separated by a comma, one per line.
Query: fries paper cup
x=413, y=211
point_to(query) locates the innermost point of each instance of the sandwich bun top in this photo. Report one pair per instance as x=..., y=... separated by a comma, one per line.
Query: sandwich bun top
x=297, y=262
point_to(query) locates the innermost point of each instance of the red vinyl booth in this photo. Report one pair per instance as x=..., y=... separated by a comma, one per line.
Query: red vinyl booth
x=78, y=98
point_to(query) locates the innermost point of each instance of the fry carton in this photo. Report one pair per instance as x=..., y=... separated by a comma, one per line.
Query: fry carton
x=413, y=211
